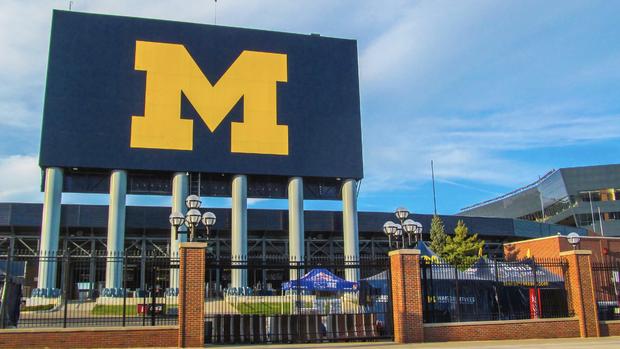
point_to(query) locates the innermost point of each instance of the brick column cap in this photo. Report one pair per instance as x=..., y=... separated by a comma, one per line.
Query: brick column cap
x=404, y=251
x=576, y=252
x=193, y=245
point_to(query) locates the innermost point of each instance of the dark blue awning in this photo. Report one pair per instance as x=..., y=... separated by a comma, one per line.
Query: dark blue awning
x=320, y=280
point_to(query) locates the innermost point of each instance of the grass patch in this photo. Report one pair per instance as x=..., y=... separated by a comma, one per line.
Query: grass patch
x=130, y=309
x=105, y=309
x=38, y=307
x=265, y=308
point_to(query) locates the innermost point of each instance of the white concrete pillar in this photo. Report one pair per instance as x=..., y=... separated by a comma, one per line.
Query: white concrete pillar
x=349, y=227
x=295, y=224
x=50, y=227
x=116, y=229
x=239, y=229
x=180, y=191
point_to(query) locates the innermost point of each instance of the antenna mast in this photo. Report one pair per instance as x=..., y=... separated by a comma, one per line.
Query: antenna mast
x=434, y=196
x=215, y=13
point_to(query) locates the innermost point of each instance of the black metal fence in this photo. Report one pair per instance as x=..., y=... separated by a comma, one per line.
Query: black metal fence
x=606, y=277
x=78, y=296
x=309, y=301
x=494, y=290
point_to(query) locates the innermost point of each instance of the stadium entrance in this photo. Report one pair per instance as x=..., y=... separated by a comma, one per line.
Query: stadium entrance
x=298, y=303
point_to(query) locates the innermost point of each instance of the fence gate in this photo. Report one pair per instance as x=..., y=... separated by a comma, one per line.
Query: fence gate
x=606, y=277
x=309, y=301
x=492, y=290
x=142, y=296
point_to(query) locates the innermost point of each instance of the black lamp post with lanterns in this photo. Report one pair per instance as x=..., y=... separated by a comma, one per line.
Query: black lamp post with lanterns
x=192, y=218
x=396, y=232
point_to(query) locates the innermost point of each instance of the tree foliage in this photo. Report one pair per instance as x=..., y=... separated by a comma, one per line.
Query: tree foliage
x=438, y=236
x=462, y=250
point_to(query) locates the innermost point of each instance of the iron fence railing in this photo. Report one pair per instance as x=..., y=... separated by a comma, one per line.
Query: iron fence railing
x=305, y=301
x=77, y=294
x=606, y=278
x=494, y=290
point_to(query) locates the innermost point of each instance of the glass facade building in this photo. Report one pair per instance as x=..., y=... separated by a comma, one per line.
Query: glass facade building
x=587, y=197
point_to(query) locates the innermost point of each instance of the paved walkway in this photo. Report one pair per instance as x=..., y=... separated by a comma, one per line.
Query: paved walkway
x=590, y=343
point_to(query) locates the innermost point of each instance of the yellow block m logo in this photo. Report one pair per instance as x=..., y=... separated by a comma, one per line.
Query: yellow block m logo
x=171, y=70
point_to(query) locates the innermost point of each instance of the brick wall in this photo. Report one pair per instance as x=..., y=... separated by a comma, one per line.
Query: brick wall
x=603, y=249
x=610, y=328
x=580, y=287
x=407, y=296
x=408, y=307
x=107, y=337
x=494, y=330
x=539, y=248
x=191, y=294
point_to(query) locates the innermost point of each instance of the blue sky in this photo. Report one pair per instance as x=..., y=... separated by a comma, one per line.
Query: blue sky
x=497, y=93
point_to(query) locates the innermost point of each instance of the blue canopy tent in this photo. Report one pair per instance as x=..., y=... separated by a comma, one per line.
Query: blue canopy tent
x=379, y=281
x=320, y=280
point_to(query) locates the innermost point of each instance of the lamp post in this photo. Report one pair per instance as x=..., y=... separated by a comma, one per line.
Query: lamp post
x=407, y=226
x=573, y=239
x=193, y=218
x=176, y=221
x=208, y=220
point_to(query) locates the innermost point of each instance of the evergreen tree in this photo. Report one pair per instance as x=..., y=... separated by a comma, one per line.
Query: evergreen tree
x=438, y=236
x=462, y=249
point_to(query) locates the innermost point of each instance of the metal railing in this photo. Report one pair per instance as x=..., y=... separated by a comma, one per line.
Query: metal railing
x=78, y=296
x=606, y=277
x=305, y=301
x=494, y=290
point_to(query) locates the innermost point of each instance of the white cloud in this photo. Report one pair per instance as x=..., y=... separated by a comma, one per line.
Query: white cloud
x=20, y=179
x=420, y=41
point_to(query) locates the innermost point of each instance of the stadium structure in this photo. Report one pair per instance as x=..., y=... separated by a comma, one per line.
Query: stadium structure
x=587, y=197
x=84, y=231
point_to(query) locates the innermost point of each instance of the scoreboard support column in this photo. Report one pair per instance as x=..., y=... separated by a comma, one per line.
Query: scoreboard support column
x=350, y=228
x=295, y=224
x=116, y=229
x=180, y=190
x=50, y=228
x=239, y=230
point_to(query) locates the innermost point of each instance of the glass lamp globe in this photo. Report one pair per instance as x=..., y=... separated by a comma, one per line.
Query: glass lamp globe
x=401, y=213
x=409, y=226
x=193, y=217
x=193, y=201
x=208, y=219
x=389, y=228
x=176, y=219
x=399, y=230
x=573, y=239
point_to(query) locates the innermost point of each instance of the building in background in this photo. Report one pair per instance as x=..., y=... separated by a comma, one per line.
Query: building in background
x=587, y=197
x=604, y=249
x=83, y=232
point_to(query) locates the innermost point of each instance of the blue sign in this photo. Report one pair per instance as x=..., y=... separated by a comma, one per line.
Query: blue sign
x=142, y=94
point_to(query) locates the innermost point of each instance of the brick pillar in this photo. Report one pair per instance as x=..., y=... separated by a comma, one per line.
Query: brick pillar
x=191, y=294
x=580, y=288
x=407, y=296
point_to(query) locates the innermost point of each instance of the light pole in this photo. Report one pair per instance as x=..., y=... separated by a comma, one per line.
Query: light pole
x=208, y=220
x=176, y=221
x=573, y=239
x=407, y=226
x=192, y=218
